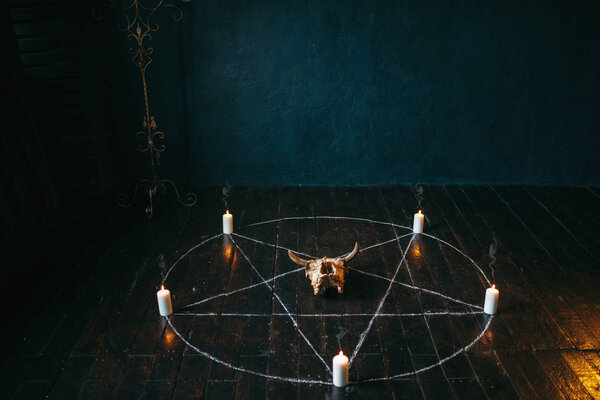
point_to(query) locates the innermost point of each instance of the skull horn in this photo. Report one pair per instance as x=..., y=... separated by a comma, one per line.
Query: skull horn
x=296, y=259
x=351, y=255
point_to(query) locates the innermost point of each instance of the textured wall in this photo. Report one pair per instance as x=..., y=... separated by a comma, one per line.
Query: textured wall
x=367, y=92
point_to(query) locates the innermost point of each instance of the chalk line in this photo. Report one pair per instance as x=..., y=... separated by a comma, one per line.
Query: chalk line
x=466, y=256
x=373, y=222
x=219, y=361
x=380, y=315
x=384, y=243
x=437, y=364
x=186, y=253
x=364, y=334
x=290, y=272
x=272, y=245
x=311, y=256
x=319, y=382
x=437, y=354
x=241, y=289
x=327, y=217
x=416, y=288
x=284, y=307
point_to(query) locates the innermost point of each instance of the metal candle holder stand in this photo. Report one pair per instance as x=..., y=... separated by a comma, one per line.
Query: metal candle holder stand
x=139, y=28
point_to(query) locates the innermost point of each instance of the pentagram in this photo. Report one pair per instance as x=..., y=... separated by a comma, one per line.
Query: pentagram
x=453, y=305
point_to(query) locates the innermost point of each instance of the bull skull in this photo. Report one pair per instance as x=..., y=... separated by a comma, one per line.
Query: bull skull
x=325, y=272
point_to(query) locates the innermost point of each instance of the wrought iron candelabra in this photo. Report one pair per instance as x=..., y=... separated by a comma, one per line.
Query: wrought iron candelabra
x=138, y=27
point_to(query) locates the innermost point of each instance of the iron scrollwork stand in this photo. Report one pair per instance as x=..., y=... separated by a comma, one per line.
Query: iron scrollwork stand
x=138, y=27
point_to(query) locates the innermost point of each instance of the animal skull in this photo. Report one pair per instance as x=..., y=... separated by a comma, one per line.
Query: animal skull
x=325, y=272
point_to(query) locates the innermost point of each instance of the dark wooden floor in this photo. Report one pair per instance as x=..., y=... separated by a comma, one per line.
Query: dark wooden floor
x=100, y=335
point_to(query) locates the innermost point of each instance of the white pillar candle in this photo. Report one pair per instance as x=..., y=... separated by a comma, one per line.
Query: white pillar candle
x=490, y=306
x=227, y=223
x=418, y=221
x=340, y=370
x=164, y=302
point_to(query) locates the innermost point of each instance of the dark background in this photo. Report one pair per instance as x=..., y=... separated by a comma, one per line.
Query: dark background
x=358, y=92
x=288, y=93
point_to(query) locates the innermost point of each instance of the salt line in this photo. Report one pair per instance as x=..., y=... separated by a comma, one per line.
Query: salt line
x=186, y=253
x=363, y=335
x=327, y=217
x=386, y=242
x=417, y=288
x=439, y=363
x=426, y=313
x=298, y=380
x=272, y=245
x=419, y=300
x=217, y=360
x=241, y=289
x=284, y=307
x=310, y=256
x=375, y=222
x=410, y=353
x=466, y=256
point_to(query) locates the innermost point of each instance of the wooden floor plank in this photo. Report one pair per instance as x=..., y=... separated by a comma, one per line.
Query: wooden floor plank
x=548, y=239
x=103, y=337
x=586, y=366
x=284, y=339
x=528, y=376
x=157, y=390
x=192, y=378
x=560, y=372
x=561, y=295
x=536, y=274
x=31, y=390
x=350, y=328
x=132, y=379
x=72, y=377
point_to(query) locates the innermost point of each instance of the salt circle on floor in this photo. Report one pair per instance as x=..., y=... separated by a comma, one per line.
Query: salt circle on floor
x=242, y=303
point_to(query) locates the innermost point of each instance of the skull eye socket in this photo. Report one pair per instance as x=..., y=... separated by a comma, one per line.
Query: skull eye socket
x=326, y=268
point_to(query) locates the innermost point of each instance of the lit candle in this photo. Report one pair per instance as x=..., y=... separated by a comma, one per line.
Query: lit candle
x=340, y=370
x=164, y=302
x=490, y=306
x=227, y=223
x=418, y=222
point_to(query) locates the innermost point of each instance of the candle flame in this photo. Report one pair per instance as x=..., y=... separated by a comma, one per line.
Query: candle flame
x=162, y=287
x=494, y=286
x=341, y=353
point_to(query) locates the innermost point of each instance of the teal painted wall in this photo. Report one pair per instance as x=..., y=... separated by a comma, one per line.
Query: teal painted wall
x=362, y=92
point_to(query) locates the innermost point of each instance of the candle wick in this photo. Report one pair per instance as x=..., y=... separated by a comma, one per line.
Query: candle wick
x=162, y=287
